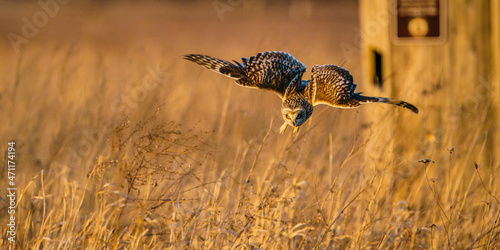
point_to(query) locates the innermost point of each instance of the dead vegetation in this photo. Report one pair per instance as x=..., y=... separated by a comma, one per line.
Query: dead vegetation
x=124, y=145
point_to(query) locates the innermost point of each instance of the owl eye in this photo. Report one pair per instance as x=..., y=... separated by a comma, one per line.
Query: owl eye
x=287, y=116
x=299, y=116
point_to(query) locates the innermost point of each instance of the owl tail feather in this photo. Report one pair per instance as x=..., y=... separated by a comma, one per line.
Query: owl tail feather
x=220, y=66
x=368, y=99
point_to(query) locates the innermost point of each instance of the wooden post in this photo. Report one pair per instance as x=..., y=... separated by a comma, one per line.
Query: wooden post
x=452, y=82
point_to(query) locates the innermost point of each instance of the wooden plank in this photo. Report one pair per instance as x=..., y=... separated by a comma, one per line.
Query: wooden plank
x=444, y=81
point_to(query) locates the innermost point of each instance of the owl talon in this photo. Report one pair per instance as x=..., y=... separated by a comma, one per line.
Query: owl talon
x=283, y=128
x=295, y=130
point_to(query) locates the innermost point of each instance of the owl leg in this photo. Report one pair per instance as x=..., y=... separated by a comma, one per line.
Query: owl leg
x=283, y=128
x=295, y=130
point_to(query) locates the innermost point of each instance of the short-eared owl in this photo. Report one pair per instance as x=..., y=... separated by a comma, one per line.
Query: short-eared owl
x=282, y=73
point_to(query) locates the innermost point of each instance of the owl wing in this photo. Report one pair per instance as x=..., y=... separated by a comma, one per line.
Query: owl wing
x=272, y=70
x=331, y=85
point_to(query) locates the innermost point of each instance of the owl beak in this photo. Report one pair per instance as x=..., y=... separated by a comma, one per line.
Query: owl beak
x=294, y=123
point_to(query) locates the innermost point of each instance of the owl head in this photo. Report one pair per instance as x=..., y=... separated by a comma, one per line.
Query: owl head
x=295, y=110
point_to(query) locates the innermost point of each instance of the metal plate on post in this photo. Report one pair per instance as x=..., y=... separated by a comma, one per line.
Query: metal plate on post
x=419, y=22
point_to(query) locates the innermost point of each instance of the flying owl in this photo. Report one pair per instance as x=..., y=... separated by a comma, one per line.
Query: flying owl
x=282, y=73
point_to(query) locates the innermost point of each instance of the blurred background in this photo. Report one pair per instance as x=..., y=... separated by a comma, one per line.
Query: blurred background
x=112, y=125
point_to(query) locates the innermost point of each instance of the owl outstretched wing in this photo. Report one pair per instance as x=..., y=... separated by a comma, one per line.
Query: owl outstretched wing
x=272, y=70
x=333, y=85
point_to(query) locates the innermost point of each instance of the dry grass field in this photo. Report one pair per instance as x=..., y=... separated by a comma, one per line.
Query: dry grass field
x=121, y=144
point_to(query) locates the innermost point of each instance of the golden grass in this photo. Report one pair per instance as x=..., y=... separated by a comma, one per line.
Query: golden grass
x=121, y=144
